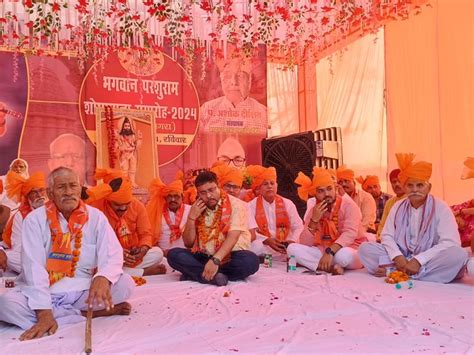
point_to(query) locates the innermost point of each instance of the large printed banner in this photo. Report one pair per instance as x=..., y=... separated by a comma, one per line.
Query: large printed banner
x=52, y=113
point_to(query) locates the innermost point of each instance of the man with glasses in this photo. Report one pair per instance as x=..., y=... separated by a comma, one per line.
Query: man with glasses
x=167, y=214
x=68, y=150
x=213, y=230
x=31, y=193
x=232, y=153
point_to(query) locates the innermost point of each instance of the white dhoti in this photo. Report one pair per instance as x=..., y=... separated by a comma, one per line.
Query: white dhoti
x=13, y=260
x=153, y=256
x=66, y=306
x=309, y=257
x=445, y=267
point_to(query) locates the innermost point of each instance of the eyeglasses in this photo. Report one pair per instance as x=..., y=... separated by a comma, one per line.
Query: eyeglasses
x=68, y=156
x=237, y=161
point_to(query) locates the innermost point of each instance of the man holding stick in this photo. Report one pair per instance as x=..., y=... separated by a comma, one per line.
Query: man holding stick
x=71, y=261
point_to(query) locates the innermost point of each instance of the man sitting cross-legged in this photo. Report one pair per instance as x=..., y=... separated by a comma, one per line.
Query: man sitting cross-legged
x=420, y=235
x=215, y=223
x=31, y=193
x=129, y=219
x=71, y=261
x=167, y=213
x=334, y=222
x=277, y=218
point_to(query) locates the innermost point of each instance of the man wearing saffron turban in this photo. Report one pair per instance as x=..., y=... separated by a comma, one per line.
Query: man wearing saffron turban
x=334, y=224
x=277, y=218
x=420, y=236
x=129, y=219
x=31, y=193
x=167, y=213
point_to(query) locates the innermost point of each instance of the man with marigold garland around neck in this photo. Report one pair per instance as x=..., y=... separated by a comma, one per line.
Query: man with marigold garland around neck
x=420, y=235
x=71, y=262
x=31, y=193
x=213, y=230
x=334, y=223
x=277, y=218
x=128, y=217
x=167, y=213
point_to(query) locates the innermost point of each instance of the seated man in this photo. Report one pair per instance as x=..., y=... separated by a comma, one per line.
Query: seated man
x=17, y=166
x=277, y=218
x=64, y=242
x=334, y=223
x=371, y=184
x=397, y=187
x=215, y=223
x=32, y=194
x=230, y=179
x=167, y=213
x=420, y=235
x=366, y=203
x=129, y=220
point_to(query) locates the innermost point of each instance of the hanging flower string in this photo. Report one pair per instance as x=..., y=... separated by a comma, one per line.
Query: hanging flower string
x=292, y=30
x=111, y=137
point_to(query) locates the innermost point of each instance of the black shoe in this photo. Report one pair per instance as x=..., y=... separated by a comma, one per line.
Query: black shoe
x=220, y=279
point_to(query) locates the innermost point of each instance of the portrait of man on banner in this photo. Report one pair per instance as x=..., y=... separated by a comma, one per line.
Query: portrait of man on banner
x=125, y=141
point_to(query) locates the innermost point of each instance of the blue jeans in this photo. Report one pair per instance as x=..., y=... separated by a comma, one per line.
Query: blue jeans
x=242, y=264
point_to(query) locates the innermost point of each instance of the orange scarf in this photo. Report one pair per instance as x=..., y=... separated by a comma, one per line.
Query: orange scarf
x=24, y=209
x=174, y=228
x=122, y=231
x=62, y=259
x=218, y=229
x=282, y=219
x=328, y=226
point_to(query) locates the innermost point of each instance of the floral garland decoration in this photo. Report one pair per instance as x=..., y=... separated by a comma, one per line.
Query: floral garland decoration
x=111, y=137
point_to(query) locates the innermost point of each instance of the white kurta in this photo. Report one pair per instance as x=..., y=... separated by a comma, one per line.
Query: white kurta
x=164, y=242
x=100, y=249
x=446, y=230
x=14, y=253
x=4, y=200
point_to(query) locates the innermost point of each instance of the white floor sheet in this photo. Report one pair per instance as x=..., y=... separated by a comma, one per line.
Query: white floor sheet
x=276, y=312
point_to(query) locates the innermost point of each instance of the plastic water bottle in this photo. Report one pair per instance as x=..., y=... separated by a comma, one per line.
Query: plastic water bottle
x=405, y=284
x=292, y=263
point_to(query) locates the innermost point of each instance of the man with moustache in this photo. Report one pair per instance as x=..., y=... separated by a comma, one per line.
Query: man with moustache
x=399, y=190
x=334, y=224
x=371, y=185
x=71, y=262
x=129, y=220
x=213, y=231
x=277, y=218
x=20, y=167
x=167, y=213
x=420, y=235
x=31, y=193
x=128, y=144
x=365, y=201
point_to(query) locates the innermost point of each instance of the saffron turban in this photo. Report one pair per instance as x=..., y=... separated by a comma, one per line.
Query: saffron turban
x=18, y=187
x=226, y=174
x=394, y=174
x=308, y=187
x=158, y=192
x=468, y=172
x=332, y=172
x=368, y=181
x=344, y=173
x=420, y=170
x=104, y=191
x=259, y=174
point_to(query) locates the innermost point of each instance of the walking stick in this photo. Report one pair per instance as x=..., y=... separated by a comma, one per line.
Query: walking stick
x=88, y=340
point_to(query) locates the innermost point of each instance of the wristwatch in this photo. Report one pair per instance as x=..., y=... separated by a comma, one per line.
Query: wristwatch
x=216, y=261
x=329, y=251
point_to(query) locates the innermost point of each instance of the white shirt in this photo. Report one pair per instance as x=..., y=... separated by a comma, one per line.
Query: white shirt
x=100, y=249
x=296, y=224
x=14, y=253
x=164, y=242
x=446, y=230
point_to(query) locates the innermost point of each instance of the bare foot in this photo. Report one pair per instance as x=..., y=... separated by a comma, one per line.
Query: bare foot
x=380, y=272
x=155, y=269
x=337, y=270
x=121, y=309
